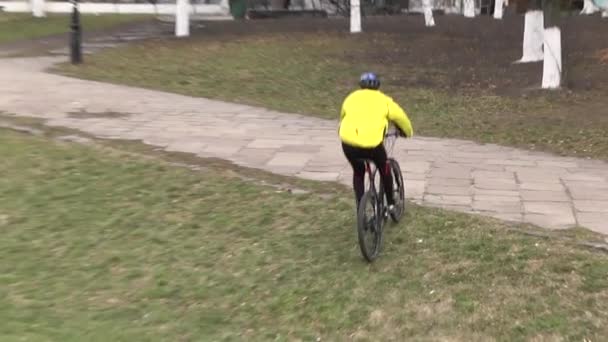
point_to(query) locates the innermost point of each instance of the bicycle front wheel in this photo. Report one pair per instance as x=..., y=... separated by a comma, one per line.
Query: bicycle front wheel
x=369, y=226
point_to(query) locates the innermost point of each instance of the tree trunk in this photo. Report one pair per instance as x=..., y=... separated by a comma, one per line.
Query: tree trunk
x=38, y=8
x=182, y=20
x=552, y=62
x=589, y=7
x=533, y=37
x=498, y=9
x=355, y=16
x=429, y=21
x=469, y=8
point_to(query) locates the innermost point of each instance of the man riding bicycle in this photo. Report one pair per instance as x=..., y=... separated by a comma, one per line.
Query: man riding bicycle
x=364, y=119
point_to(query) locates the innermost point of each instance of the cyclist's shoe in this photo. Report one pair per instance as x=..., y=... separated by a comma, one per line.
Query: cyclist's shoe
x=392, y=209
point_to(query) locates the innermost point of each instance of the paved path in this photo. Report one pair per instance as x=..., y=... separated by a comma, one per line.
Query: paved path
x=502, y=182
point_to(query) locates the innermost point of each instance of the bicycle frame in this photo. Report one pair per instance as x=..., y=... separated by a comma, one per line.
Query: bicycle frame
x=389, y=145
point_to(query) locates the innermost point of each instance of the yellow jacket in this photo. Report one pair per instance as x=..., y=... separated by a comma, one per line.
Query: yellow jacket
x=365, y=117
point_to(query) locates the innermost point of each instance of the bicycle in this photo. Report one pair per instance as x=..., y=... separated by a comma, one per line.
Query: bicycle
x=373, y=212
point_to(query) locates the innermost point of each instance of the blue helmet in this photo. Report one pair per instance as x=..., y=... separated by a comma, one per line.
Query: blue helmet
x=369, y=80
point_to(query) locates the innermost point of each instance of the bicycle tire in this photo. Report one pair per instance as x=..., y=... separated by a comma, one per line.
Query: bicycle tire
x=400, y=186
x=363, y=226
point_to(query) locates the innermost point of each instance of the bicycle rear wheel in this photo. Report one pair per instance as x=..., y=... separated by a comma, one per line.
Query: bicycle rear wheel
x=369, y=226
x=398, y=190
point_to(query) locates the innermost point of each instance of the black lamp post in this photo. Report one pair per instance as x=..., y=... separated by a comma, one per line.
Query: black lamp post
x=75, y=35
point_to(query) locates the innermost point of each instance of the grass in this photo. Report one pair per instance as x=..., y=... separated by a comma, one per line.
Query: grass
x=102, y=245
x=311, y=73
x=17, y=27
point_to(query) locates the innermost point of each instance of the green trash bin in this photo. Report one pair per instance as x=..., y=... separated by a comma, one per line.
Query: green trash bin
x=238, y=8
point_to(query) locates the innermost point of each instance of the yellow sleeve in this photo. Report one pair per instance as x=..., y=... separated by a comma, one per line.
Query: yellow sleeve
x=397, y=115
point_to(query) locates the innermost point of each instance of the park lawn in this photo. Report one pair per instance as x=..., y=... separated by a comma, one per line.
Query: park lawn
x=103, y=245
x=16, y=27
x=455, y=92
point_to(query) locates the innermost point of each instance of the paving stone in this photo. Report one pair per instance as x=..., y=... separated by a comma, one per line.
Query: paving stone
x=450, y=182
x=293, y=160
x=414, y=188
x=448, y=190
x=586, y=185
x=510, y=162
x=255, y=156
x=487, y=167
x=328, y=168
x=587, y=193
x=186, y=146
x=587, y=177
x=495, y=184
x=595, y=221
x=535, y=170
x=483, y=174
x=511, y=217
x=544, y=196
x=319, y=176
x=563, y=164
x=501, y=199
x=454, y=172
x=415, y=167
x=505, y=207
x=447, y=199
x=414, y=176
x=267, y=143
x=548, y=208
x=537, y=177
x=458, y=208
x=561, y=221
x=542, y=186
x=591, y=206
x=497, y=193
x=300, y=148
x=223, y=150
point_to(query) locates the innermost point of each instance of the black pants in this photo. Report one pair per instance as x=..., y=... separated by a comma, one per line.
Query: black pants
x=378, y=156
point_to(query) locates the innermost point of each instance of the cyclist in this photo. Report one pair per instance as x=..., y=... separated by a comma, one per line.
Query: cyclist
x=364, y=119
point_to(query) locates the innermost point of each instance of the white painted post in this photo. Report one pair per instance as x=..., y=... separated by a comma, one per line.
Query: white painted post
x=38, y=8
x=589, y=7
x=355, y=16
x=533, y=37
x=225, y=5
x=498, y=5
x=429, y=21
x=605, y=14
x=182, y=20
x=469, y=8
x=552, y=64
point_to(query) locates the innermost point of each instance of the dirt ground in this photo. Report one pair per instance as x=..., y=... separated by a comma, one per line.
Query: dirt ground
x=465, y=54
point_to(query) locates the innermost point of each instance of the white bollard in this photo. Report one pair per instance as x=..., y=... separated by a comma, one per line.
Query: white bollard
x=469, y=8
x=429, y=21
x=38, y=8
x=552, y=65
x=355, y=16
x=605, y=14
x=498, y=12
x=182, y=20
x=533, y=37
